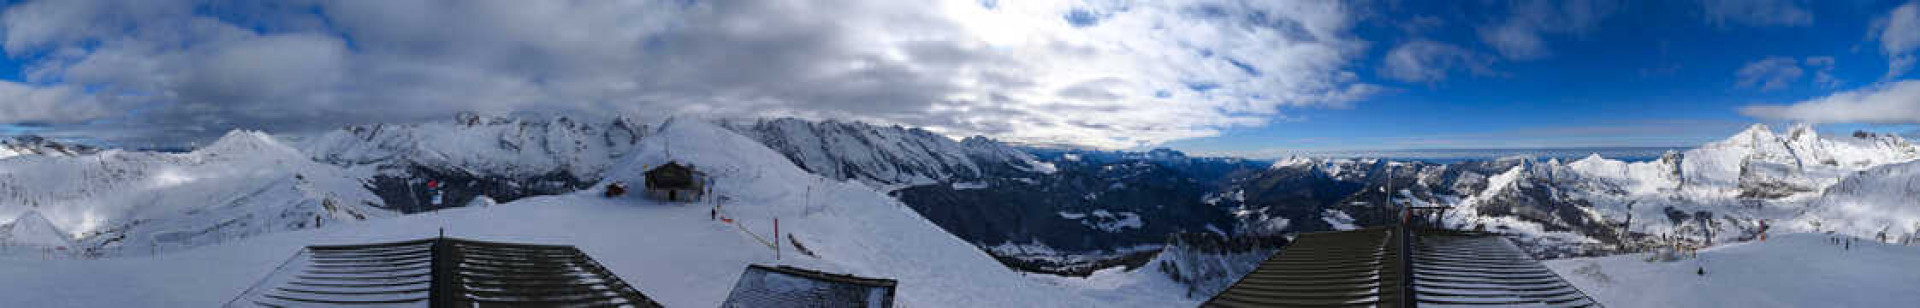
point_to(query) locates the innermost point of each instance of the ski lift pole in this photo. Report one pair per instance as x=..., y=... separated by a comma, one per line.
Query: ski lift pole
x=776, y=238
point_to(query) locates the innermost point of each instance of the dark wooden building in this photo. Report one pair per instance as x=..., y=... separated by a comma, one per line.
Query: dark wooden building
x=676, y=182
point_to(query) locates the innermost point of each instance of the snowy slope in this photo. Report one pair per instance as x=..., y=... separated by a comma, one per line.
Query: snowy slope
x=1793, y=270
x=854, y=228
x=1871, y=203
x=473, y=157
x=31, y=229
x=245, y=184
x=884, y=155
x=671, y=251
x=1725, y=188
x=497, y=146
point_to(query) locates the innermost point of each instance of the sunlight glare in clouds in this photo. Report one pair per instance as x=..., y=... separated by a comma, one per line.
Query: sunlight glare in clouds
x=1096, y=73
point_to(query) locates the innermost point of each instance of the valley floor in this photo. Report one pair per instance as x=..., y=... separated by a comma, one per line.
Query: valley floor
x=1793, y=270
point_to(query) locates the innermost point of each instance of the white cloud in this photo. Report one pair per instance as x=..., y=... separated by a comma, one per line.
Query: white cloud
x=1723, y=13
x=48, y=104
x=1899, y=34
x=1891, y=103
x=1823, y=72
x=1519, y=36
x=1430, y=61
x=1127, y=74
x=1772, y=73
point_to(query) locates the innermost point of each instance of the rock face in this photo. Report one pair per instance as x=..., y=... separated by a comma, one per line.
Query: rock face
x=473, y=156
x=36, y=145
x=886, y=155
x=1207, y=263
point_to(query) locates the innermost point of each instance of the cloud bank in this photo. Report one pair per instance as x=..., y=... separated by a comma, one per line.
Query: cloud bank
x=1890, y=103
x=1097, y=73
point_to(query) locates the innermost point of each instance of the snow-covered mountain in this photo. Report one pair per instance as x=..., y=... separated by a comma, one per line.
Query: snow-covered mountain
x=1722, y=190
x=672, y=252
x=31, y=229
x=36, y=145
x=1730, y=187
x=886, y=155
x=1881, y=203
x=1758, y=163
x=472, y=156
x=245, y=184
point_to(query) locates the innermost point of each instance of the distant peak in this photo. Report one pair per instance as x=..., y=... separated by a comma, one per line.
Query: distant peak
x=1756, y=133
x=1801, y=130
x=30, y=215
x=241, y=141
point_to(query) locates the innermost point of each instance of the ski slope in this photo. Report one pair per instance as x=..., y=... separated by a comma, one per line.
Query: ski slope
x=672, y=252
x=1794, y=270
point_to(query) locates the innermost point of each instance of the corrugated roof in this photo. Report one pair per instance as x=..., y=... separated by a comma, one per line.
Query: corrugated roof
x=441, y=272
x=1366, y=268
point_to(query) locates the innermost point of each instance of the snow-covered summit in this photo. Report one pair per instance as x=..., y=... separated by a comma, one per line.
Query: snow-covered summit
x=497, y=146
x=33, y=230
x=248, y=143
x=36, y=145
x=1755, y=163
x=885, y=154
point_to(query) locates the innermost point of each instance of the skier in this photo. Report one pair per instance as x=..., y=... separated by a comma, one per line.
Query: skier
x=1702, y=271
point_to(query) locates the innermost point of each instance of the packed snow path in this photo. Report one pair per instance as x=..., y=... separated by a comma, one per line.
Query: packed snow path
x=1794, y=270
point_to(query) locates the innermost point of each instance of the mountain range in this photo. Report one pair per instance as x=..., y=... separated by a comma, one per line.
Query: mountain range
x=1053, y=210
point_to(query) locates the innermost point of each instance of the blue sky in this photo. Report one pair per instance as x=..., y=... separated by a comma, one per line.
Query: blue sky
x=1253, y=78
x=1652, y=74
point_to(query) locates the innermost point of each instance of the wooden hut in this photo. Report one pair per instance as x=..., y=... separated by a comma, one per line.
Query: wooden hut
x=676, y=182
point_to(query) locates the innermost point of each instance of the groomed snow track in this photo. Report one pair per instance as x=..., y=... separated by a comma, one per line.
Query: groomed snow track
x=1366, y=268
x=442, y=272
